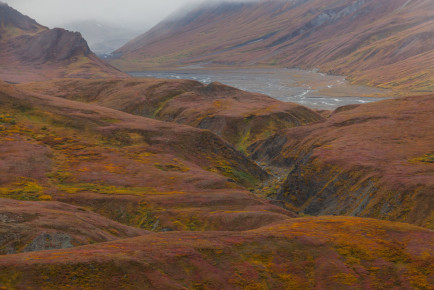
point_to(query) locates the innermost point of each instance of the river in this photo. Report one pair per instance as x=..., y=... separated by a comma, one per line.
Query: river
x=309, y=88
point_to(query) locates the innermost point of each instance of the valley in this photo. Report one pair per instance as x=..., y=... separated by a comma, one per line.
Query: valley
x=308, y=88
x=214, y=165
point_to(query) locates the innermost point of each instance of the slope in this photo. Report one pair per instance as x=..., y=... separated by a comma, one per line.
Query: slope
x=239, y=117
x=372, y=160
x=382, y=43
x=307, y=253
x=28, y=226
x=29, y=51
x=137, y=171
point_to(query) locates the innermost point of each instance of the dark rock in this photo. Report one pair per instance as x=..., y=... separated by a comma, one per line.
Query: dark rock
x=49, y=241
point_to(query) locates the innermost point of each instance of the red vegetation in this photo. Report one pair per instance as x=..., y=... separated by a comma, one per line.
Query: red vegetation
x=308, y=253
x=97, y=164
x=138, y=171
x=127, y=190
x=371, y=160
x=24, y=223
x=239, y=117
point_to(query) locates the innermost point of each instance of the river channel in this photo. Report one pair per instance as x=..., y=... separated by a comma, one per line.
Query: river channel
x=308, y=88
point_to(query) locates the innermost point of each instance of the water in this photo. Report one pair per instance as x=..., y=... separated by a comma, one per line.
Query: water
x=308, y=88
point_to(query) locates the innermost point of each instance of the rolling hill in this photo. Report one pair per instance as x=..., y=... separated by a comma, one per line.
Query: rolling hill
x=371, y=160
x=240, y=117
x=124, y=183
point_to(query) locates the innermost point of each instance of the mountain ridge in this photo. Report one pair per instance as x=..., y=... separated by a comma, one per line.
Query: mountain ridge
x=29, y=51
x=383, y=43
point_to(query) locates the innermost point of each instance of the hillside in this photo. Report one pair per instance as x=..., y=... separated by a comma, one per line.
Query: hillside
x=135, y=170
x=29, y=51
x=371, y=160
x=110, y=182
x=306, y=253
x=382, y=43
x=240, y=117
x=125, y=201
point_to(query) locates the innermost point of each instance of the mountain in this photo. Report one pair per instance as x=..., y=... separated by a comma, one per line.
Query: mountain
x=103, y=38
x=125, y=183
x=382, y=43
x=372, y=160
x=29, y=51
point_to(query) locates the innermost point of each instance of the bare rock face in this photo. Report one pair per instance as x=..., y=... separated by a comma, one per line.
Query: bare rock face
x=53, y=45
x=49, y=241
x=32, y=52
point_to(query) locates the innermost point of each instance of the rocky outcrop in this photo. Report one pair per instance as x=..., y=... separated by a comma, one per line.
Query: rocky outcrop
x=11, y=18
x=49, y=241
x=54, y=45
x=29, y=51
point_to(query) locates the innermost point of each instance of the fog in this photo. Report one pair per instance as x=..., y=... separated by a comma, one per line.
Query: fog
x=141, y=14
x=105, y=24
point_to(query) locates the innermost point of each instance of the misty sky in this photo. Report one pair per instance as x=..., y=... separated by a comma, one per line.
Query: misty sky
x=53, y=13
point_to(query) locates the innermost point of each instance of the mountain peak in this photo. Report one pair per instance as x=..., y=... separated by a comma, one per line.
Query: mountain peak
x=30, y=51
x=10, y=17
x=51, y=45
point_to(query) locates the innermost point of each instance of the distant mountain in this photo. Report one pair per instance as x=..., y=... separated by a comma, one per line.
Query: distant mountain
x=385, y=43
x=30, y=51
x=103, y=38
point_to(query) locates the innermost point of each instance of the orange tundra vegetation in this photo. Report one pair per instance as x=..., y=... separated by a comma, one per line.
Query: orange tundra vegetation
x=370, y=160
x=132, y=169
x=325, y=253
x=120, y=183
x=92, y=163
x=239, y=117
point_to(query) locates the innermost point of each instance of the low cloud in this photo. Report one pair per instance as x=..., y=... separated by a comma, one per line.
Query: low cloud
x=138, y=13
